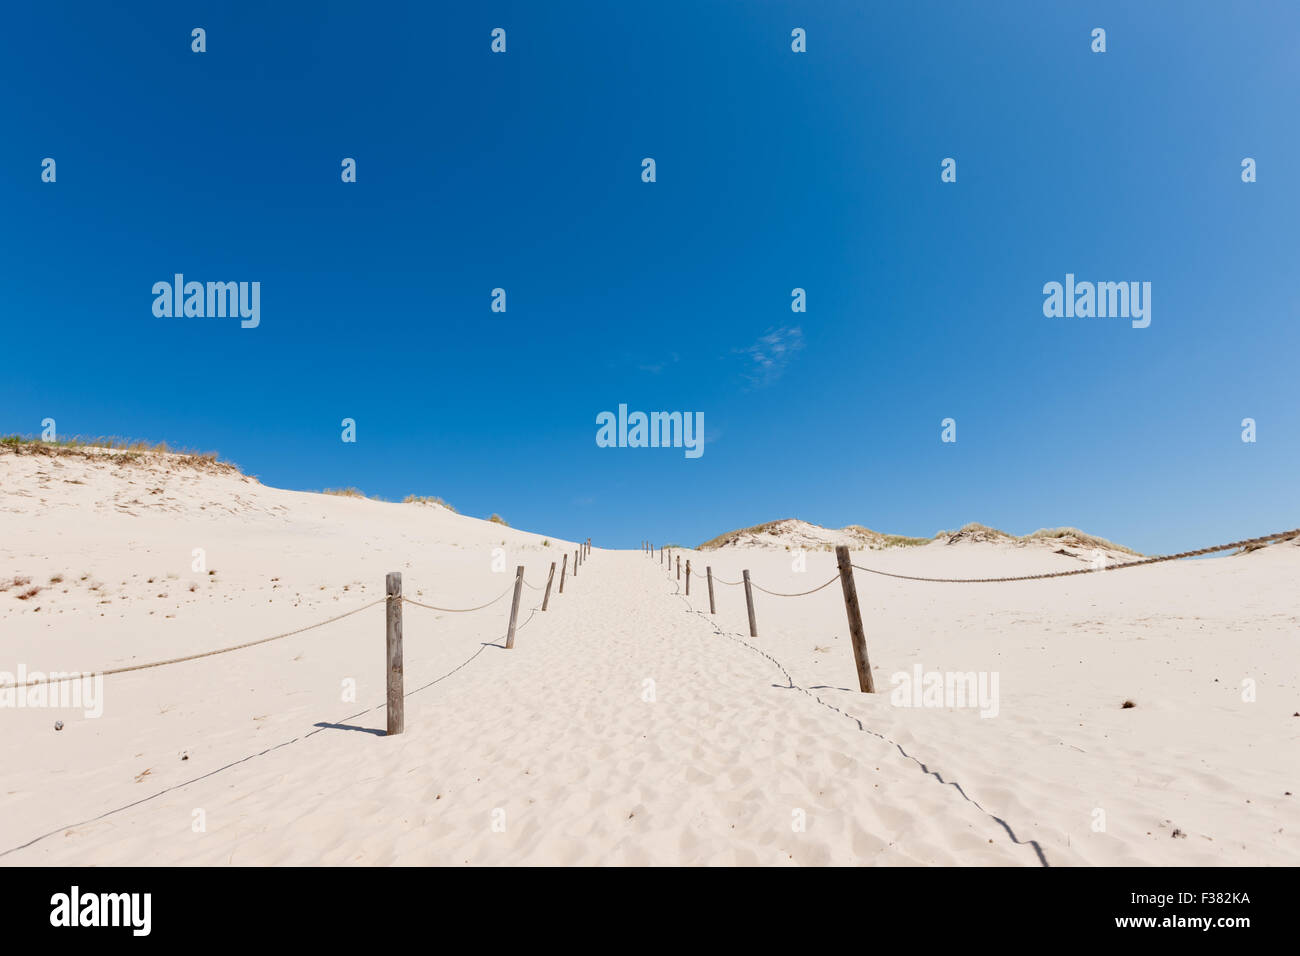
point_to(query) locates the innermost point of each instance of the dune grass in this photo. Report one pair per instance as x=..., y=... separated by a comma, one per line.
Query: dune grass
x=973, y=530
x=1081, y=538
x=122, y=450
x=428, y=500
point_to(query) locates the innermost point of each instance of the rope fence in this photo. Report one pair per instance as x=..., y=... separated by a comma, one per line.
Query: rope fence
x=393, y=600
x=845, y=576
x=1245, y=543
x=36, y=682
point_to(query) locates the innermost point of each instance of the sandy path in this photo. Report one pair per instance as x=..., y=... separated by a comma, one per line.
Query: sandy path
x=550, y=753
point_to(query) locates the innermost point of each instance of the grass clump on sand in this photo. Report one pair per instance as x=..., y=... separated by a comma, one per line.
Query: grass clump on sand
x=1080, y=538
x=350, y=492
x=970, y=532
x=429, y=500
x=729, y=536
x=888, y=540
x=114, y=449
x=497, y=519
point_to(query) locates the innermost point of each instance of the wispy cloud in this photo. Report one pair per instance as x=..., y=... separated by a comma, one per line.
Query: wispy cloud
x=769, y=356
x=655, y=368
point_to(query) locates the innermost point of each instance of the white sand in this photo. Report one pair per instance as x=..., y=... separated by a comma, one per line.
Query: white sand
x=556, y=738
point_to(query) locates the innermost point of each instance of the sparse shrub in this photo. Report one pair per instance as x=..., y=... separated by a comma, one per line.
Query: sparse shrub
x=344, y=492
x=125, y=451
x=498, y=519
x=428, y=500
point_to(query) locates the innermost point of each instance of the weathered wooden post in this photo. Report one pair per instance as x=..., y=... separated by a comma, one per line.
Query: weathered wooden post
x=575, y=564
x=396, y=697
x=749, y=601
x=688, y=577
x=865, y=682
x=564, y=567
x=514, y=608
x=708, y=570
x=546, y=599
x=679, y=567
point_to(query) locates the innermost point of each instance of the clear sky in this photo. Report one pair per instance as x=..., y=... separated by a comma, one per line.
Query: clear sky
x=775, y=170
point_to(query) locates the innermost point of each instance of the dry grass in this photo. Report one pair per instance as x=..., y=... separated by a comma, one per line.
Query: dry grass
x=1077, y=537
x=428, y=500
x=722, y=539
x=496, y=518
x=969, y=532
x=345, y=492
x=890, y=540
x=116, y=450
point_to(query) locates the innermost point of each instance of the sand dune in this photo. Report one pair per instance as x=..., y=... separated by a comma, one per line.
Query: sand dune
x=627, y=725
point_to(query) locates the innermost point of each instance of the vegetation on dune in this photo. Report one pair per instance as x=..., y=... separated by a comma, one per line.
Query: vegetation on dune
x=1081, y=538
x=499, y=520
x=428, y=500
x=345, y=492
x=722, y=538
x=119, y=450
x=969, y=532
x=890, y=540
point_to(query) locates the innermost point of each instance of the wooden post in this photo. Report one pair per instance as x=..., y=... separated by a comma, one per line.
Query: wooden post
x=575, y=564
x=688, y=577
x=865, y=682
x=546, y=599
x=679, y=567
x=396, y=698
x=514, y=608
x=564, y=567
x=708, y=570
x=749, y=601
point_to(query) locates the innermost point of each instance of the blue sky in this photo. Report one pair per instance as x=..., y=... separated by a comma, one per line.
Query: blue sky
x=775, y=170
